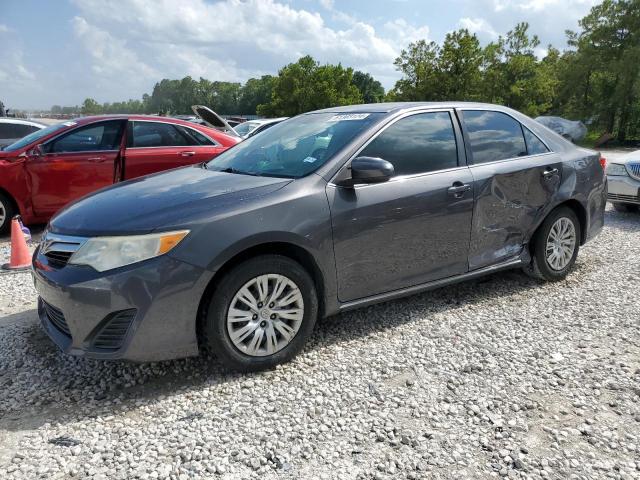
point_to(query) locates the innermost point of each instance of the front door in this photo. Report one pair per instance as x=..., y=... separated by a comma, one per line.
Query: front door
x=74, y=164
x=516, y=177
x=414, y=228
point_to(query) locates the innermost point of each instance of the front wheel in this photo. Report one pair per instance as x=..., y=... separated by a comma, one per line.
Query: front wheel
x=261, y=314
x=555, y=246
x=7, y=211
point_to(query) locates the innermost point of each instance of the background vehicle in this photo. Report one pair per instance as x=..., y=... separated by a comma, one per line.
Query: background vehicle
x=623, y=176
x=47, y=169
x=572, y=130
x=253, y=127
x=326, y=212
x=13, y=129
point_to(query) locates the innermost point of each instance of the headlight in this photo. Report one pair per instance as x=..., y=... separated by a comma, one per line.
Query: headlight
x=105, y=253
x=616, y=169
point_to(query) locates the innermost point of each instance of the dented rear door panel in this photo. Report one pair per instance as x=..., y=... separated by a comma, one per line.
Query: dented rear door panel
x=511, y=198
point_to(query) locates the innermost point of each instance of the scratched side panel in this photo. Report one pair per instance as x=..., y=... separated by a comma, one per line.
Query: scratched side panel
x=510, y=197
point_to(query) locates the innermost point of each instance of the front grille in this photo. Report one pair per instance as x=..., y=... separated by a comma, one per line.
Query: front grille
x=58, y=259
x=634, y=170
x=112, y=334
x=56, y=317
x=58, y=249
x=614, y=197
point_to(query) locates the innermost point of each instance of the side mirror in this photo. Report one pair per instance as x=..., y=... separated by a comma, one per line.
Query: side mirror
x=370, y=170
x=36, y=152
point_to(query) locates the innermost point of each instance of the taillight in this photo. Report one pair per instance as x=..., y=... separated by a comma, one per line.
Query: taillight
x=603, y=162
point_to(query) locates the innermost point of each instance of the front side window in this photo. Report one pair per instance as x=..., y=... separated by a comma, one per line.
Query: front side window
x=158, y=134
x=100, y=136
x=493, y=136
x=420, y=143
x=294, y=148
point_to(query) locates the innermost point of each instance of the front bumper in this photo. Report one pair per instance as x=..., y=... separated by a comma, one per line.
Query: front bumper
x=142, y=312
x=623, y=189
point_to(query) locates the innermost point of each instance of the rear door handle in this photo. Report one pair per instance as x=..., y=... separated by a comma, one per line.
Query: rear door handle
x=187, y=154
x=548, y=173
x=458, y=189
x=96, y=159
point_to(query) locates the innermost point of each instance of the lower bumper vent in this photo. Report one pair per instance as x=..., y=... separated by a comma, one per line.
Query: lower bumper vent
x=114, y=330
x=56, y=317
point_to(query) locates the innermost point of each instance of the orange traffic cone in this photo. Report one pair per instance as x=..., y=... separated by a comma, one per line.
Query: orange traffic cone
x=20, y=255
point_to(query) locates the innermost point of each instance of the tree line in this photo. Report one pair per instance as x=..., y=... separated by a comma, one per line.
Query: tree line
x=596, y=79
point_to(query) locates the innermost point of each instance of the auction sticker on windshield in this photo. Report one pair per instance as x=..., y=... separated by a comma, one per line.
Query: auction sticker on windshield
x=348, y=116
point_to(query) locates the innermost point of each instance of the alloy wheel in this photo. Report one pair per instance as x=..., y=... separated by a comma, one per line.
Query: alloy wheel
x=265, y=315
x=3, y=214
x=561, y=244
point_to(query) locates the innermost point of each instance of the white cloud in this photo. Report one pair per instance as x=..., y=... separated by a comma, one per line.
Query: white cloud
x=4, y=28
x=230, y=39
x=478, y=26
x=328, y=4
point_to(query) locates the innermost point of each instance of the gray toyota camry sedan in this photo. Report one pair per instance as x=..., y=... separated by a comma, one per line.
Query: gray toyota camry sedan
x=324, y=212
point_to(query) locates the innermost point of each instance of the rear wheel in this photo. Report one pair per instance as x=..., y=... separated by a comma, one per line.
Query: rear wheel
x=555, y=246
x=7, y=211
x=625, y=207
x=262, y=313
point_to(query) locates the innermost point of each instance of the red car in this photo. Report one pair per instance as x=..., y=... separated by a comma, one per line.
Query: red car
x=47, y=169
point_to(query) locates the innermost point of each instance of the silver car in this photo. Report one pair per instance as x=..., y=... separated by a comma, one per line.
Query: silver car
x=623, y=177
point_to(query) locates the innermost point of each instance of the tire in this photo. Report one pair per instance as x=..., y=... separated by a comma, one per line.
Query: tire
x=7, y=212
x=625, y=207
x=541, y=267
x=245, y=356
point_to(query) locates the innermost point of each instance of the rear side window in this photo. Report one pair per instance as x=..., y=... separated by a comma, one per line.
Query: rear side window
x=193, y=136
x=158, y=134
x=420, y=143
x=534, y=144
x=6, y=131
x=21, y=130
x=493, y=136
x=93, y=137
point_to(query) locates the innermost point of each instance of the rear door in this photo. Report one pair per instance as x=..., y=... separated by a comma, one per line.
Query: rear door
x=516, y=178
x=74, y=164
x=413, y=228
x=156, y=146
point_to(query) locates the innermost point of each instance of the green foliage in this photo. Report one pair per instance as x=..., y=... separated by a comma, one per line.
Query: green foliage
x=306, y=85
x=370, y=89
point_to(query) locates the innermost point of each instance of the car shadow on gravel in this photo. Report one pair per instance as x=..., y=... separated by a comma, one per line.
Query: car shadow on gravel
x=39, y=384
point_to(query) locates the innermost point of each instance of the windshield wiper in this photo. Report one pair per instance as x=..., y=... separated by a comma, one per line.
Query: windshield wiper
x=238, y=172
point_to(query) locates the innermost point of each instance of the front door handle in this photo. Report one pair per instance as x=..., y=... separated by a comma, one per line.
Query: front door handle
x=187, y=154
x=96, y=159
x=458, y=189
x=550, y=172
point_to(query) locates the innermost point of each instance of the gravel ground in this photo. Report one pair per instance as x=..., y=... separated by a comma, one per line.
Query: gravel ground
x=500, y=377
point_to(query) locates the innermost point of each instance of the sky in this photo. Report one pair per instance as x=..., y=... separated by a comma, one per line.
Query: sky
x=59, y=52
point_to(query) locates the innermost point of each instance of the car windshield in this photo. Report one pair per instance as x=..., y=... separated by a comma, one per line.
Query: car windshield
x=296, y=147
x=245, y=128
x=37, y=135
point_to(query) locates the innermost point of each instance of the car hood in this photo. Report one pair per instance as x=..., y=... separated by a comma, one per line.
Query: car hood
x=161, y=201
x=632, y=157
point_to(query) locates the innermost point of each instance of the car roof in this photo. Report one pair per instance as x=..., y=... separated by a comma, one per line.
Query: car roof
x=21, y=121
x=263, y=121
x=394, y=107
